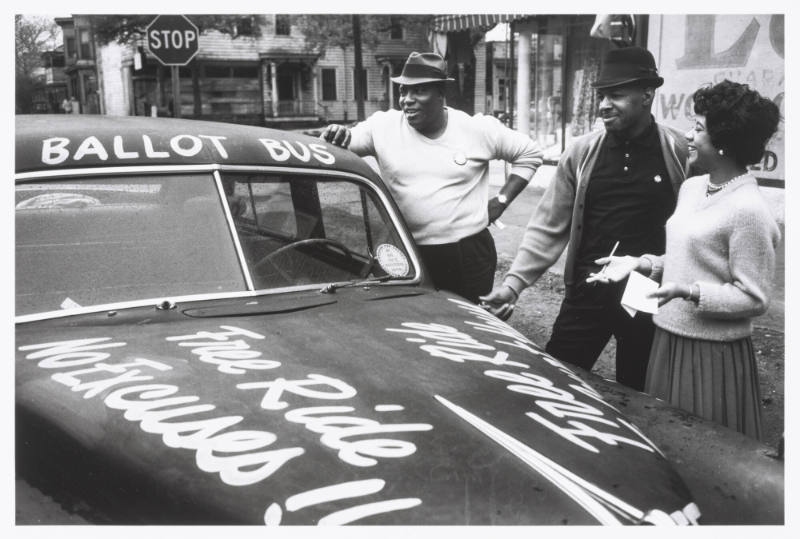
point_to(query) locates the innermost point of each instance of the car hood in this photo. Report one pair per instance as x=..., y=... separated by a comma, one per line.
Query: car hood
x=381, y=405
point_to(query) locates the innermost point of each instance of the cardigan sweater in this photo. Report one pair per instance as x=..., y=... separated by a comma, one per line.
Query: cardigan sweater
x=558, y=218
x=723, y=244
x=441, y=185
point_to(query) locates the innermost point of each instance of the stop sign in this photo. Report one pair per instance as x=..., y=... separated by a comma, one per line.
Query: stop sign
x=172, y=39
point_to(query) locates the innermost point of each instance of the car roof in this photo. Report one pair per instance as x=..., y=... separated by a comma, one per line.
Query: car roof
x=65, y=141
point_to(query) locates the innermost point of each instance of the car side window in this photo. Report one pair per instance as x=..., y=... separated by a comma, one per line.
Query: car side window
x=350, y=216
x=298, y=229
x=266, y=205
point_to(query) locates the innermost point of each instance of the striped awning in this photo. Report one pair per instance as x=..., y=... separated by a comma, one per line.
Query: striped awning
x=456, y=23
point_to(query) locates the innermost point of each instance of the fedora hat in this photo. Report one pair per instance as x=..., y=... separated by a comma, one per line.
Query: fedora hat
x=626, y=65
x=421, y=68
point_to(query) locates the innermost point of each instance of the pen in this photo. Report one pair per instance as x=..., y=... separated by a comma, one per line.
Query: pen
x=613, y=250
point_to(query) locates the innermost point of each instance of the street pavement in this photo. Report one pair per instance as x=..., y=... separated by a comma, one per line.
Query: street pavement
x=516, y=217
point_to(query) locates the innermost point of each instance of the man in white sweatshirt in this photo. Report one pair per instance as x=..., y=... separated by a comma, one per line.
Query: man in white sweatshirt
x=435, y=160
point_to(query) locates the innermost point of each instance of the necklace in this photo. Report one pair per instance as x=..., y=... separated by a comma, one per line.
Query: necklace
x=712, y=188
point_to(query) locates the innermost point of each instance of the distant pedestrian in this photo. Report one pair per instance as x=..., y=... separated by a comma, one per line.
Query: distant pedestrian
x=66, y=106
x=75, y=105
x=615, y=185
x=720, y=259
x=435, y=161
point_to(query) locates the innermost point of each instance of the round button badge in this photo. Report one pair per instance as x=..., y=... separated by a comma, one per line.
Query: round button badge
x=459, y=158
x=392, y=260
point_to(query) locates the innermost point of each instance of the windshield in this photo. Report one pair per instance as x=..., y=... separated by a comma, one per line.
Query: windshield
x=104, y=240
x=86, y=242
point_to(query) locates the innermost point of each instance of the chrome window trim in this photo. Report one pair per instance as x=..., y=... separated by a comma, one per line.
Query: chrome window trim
x=153, y=302
x=100, y=171
x=248, y=278
x=213, y=168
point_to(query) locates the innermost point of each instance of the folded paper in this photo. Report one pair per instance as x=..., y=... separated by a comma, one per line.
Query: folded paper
x=634, y=298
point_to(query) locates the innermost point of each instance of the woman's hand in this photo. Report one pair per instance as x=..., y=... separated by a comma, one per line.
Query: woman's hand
x=615, y=268
x=669, y=291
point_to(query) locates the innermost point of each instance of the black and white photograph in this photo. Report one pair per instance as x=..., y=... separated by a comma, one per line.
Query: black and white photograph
x=392, y=266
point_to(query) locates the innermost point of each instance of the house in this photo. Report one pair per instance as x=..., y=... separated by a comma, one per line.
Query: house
x=80, y=67
x=271, y=77
x=52, y=90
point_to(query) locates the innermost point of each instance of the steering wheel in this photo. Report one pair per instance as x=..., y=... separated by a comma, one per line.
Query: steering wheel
x=269, y=258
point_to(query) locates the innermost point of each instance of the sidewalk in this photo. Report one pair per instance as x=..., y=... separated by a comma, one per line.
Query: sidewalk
x=516, y=218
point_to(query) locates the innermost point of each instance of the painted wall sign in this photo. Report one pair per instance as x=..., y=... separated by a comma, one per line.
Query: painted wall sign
x=695, y=50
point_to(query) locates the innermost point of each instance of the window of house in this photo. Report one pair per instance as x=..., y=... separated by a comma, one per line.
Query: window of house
x=329, y=84
x=90, y=83
x=282, y=25
x=244, y=26
x=244, y=72
x=230, y=90
x=216, y=71
x=363, y=83
x=396, y=28
x=85, y=45
x=228, y=72
x=69, y=43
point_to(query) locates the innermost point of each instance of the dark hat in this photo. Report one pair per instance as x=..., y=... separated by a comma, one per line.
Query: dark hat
x=626, y=65
x=421, y=68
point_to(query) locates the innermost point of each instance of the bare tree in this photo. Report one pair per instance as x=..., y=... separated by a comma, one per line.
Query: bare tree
x=129, y=28
x=327, y=30
x=343, y=31
x=33, y=36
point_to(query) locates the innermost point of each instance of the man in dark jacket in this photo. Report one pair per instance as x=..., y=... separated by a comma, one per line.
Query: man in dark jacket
x=615, y=185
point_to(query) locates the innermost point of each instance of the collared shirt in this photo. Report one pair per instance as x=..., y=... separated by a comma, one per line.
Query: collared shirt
x=628, y=199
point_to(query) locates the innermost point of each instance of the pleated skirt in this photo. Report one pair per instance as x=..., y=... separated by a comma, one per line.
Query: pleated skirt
x=711, y=379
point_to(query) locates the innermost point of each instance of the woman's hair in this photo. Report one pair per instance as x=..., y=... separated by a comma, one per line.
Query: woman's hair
x=739, y=121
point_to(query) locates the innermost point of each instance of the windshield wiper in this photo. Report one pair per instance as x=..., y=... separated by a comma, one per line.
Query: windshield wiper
x=331, y=288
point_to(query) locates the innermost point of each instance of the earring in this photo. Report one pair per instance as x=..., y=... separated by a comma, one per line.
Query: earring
x=721, y=151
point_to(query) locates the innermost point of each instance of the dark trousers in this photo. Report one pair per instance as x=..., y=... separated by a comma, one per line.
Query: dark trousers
x=465, y=267
x=589, y=316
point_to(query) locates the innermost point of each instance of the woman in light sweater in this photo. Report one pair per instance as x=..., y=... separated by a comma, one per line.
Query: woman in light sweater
x=720, y=259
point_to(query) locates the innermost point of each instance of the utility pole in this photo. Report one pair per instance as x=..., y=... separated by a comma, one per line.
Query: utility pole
x=358, y=89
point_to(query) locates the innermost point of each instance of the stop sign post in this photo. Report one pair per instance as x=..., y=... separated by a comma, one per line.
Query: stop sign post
x=173, y=40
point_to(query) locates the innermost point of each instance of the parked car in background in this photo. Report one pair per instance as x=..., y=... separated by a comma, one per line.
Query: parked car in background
x=221, y=324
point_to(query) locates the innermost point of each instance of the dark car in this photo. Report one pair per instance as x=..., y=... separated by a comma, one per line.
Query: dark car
x=228, y=324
